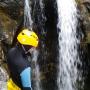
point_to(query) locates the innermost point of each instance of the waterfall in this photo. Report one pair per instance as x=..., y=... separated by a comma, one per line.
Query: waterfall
x=28, y=22
x=36, y=71
x=68, y=44
x=27, y=14
x=41, y=22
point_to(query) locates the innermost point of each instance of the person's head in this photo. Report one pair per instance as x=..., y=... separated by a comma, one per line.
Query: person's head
x=28, y=39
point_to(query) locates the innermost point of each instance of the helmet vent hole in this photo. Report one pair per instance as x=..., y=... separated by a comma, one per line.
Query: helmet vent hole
x=22, y=33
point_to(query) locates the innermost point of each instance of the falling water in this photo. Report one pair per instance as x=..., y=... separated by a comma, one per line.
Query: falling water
x=68, y=43
x=41, y=22
x=36, y=71
x=27, y=14
x=28, y=23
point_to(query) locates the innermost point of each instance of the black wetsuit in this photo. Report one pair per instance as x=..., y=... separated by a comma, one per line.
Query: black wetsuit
x=17, y=63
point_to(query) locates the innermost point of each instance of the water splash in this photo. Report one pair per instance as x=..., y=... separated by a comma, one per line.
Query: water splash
x=27, y=14
x=68, y=44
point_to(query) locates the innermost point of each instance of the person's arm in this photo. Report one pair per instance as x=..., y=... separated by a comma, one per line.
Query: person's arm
x=26, y=78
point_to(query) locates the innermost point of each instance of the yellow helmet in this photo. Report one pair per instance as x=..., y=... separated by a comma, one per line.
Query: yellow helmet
x=27, y=37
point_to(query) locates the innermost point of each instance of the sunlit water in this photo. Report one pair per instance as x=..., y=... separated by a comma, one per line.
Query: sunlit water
x=27, y=14
x=68, y=43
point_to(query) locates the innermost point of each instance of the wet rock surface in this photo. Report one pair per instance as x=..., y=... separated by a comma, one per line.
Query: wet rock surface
x=11, y=13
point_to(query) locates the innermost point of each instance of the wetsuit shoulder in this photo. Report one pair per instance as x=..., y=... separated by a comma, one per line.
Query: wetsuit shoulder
x=16, y=58
x=12, y=51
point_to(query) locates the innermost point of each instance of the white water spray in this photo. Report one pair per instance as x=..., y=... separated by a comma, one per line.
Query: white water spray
x=36, y=71
x=27, y=14
x=68, y=54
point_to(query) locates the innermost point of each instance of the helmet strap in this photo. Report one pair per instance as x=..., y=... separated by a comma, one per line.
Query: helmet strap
x=27, y=51
x=24, y=49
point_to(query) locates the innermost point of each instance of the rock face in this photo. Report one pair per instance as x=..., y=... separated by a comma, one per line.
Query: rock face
x=7, y=26
x=3, y=78
x=12, y=7
x=84, y=7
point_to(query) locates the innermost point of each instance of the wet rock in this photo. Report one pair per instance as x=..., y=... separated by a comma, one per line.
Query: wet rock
x=3, y=75
x=12, y=7
x=3, y=79
x=3, y=85
x=87, y=5
x=84, y=9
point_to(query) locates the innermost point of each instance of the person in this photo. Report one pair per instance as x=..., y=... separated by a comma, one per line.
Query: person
x=18, y=63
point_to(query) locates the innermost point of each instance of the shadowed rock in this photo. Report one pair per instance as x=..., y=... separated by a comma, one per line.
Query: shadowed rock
x=87, y=5
x=12, y=7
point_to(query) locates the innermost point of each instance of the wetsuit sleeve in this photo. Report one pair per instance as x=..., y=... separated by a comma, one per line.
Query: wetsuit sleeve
x=26, y=78
x=26, y=88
